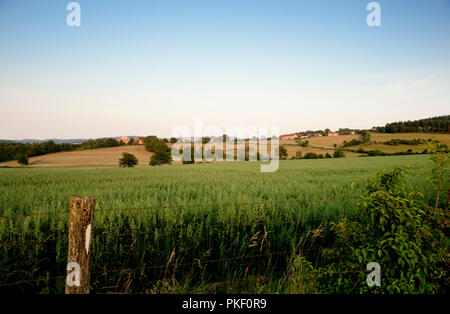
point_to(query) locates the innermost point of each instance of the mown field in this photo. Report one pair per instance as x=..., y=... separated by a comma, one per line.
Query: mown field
x=87, y=158
x=376, y=142
x=215, y=227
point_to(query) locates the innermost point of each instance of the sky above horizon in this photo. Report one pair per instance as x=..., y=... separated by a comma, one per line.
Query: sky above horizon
x=146, y=67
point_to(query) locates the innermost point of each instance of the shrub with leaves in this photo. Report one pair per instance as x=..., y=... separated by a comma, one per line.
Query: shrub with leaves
x=128, y=160
x=22, y=159
x=338, y=153
x=394, y=228
x=283, y=152
x=161, y=155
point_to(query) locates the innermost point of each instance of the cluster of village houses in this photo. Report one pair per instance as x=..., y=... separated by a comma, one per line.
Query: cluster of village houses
x=127, y=139
x=293, y=136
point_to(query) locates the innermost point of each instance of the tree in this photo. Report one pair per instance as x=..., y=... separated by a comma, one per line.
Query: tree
x=160, y=158
x=128, y=160
x=311, y=155
x=328, y=155
x=161, y=154
x=326, y=131
x=131, y=142
x=110, y=142
x=283, y=152
x=151, y=143
x=22, y=159
x=338, y=153
x=206, y=139
x=192, y=160
x=298, y=155
x=303, y=144
x=173, y=140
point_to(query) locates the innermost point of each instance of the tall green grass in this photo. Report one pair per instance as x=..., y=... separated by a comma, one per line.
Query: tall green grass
x=182, y=216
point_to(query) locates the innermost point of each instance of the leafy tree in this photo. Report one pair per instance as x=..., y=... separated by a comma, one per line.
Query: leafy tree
x=396, y=229
x=338, y=153
x=173, y=140
x=151, y=143
x=131, y=142
x=161, y=154
x=298, y=155
x=127, y=160
x=160, y=158
x=22, y=159
x=327, y=155
x=111, y=142
x=303, y=144
x=439, y=176
x=311, y=155
x=283, y=152
x=206, y=139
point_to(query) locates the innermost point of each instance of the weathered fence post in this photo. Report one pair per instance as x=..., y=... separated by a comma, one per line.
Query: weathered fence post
x=81, y=227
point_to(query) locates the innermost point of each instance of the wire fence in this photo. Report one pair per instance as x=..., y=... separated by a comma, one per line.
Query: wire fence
x=287, y=253
x=52, y=238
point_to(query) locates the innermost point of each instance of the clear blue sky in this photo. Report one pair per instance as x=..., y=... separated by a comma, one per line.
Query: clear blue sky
x=145, y=67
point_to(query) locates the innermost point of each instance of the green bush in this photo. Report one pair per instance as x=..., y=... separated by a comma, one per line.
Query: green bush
x=311, y=155
x=283, y=152
x=22, y=159
x=161, y=154
x=338, y=153
x=128, y=160
x=303, y=144
x=394, y=228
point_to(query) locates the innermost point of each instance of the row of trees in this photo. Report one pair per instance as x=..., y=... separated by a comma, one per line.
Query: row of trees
x=310, y=155
x=440, y=124
x=14, y=151
x=160, y=157
x=161, y=152
x=101, y=143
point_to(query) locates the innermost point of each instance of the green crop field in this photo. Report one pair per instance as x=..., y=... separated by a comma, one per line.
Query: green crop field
x=191, y=226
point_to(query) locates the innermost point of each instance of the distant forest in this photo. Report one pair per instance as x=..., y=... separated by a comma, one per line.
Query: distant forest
x=439, y=124
x=12, y=151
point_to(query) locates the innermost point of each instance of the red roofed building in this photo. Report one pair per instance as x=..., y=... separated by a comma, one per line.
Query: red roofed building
x=140, y=140
x=292, y=136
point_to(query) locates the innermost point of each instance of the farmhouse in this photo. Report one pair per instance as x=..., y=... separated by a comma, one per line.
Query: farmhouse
x=124, y=139
x=331, y=133
x=305, y=135
x=140, y=140
x=292, y=136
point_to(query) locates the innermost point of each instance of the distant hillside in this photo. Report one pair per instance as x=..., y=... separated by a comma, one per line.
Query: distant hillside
x=439, y=124
x=56, y=141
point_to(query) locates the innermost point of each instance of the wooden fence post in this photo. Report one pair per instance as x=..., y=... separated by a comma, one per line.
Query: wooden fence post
x=81, y=228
